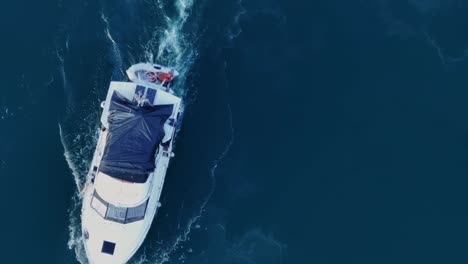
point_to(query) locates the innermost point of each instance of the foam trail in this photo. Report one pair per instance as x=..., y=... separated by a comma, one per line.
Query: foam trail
x=116, y=54
x=78, y=146
x=75, y=239
x=68, y=157
x=171, y=39
x=445, y=59
x=67, y=42
x=236, y=29
x=220, y=158
x=66, y=91
x=436, y=47
x=170, y=44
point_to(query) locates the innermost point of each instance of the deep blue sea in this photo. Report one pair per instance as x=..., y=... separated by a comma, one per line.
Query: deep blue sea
x=314, y=132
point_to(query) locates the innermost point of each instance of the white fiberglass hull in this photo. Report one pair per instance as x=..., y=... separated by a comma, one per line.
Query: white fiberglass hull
x=122, y=239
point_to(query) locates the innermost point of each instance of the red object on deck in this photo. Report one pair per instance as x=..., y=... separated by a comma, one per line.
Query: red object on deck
x=165, y=77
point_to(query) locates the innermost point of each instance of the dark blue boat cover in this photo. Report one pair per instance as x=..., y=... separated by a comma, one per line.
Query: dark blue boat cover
x=135, y=133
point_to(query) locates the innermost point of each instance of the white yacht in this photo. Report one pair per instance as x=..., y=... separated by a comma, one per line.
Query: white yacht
x=124, y=184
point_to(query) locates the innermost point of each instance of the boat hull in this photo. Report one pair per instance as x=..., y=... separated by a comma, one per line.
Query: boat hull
x=111, y=242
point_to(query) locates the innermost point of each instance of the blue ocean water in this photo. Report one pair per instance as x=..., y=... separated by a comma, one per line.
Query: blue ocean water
x=313, y=131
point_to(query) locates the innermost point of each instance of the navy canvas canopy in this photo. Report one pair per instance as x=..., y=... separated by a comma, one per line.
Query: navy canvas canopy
x=134, y=135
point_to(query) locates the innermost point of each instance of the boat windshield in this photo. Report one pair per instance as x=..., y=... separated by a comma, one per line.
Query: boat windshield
x=118, y=214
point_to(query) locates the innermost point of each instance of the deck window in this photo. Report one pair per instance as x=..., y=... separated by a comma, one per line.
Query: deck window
x=99, y=206
x=118, y=214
